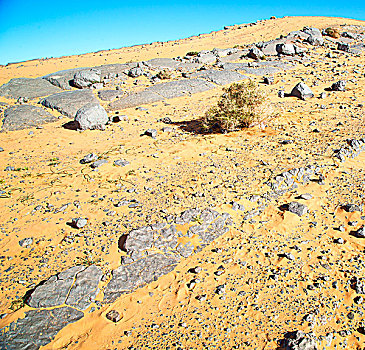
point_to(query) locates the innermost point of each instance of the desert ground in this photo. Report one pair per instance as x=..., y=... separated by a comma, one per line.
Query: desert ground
x=176, y=238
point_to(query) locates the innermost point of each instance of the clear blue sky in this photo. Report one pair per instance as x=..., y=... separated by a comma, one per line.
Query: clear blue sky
x=38, y=28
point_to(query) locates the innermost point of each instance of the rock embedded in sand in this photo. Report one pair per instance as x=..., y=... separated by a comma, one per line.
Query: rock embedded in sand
x=113, y=316
x=91, y=157
x=297, y=208
x=299, y=340
x=339, y=85
x=302, y=91
x=25, y=116
x=286, y=49
x=75, y=287
x=91, y=116
x=79, y=222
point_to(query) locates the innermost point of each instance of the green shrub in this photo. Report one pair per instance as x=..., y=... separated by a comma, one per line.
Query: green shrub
x=163, y=74
x=242, y=105
x=192, y=53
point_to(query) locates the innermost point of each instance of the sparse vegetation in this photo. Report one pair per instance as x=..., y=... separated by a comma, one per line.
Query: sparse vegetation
x=192, y=53
x=332, y=32
x=163, y=74
x=242, y=105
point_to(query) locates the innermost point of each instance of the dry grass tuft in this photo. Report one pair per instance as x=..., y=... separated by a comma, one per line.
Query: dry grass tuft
x=241, y=106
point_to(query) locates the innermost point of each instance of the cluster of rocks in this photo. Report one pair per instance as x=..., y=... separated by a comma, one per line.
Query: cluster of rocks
x=351, y=150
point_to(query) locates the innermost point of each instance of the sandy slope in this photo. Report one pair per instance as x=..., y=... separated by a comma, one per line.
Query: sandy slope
x=176, y=167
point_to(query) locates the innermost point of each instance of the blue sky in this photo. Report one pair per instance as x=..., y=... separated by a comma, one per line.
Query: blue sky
x=38, y=28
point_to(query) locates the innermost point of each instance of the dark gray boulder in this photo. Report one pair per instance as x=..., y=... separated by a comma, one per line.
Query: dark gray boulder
x=302, y=91
x=76, y=287
x=37, y=328
x=91, y=116
x=339, y=85
x=220, y=77
x=343, y=46
x=69, y=102
x=28, y=88
x=85, y=78
x=25, y=116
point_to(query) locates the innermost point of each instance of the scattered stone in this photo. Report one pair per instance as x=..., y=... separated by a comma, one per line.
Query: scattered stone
x=135, y=72
x=89, y=158
x=302, y=91
x=297, y=208
x=151, y=133
x=360, y=233
x=306, y=196
x=350, y=208
x=113, y=316
x=121, y=162
x=26, y=242
x=339, y=86
x=98, y=163
x=91, y=116
x=343, y=47
x=339, y=240
x=79, y=222
x=25, y=116
x=269, y=80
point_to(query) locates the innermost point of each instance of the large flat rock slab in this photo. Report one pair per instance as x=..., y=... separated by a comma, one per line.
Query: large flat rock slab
x=258, y=68
x=63, y=78
x=37, y=328
x=69, y=102
x=134, y=100
x=109, y=95
x=28, y=88
x=220, y=77
x=76, y=287
x=25, y=116
x=162, y=63
x=153, y=251
x=180, y=88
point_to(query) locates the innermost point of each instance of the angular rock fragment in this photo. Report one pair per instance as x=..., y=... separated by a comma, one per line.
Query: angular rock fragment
x=299, y=340
x=302, y=91
x=339, y=85
x=286, y=49
x=255, y=53
x=297, y=208
x=91, y=116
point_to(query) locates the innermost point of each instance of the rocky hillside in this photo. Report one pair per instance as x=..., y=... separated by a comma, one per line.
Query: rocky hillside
x=127, y=225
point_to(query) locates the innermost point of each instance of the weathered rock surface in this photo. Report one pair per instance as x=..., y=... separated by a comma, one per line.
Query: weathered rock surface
x=69, y=102
x=134, y=100
x=28, y=88
x=37, y=328
x=142, y=264
x=62, y=79
x=91, y=116
x=25, y=116
x=220, y=77
x=85, y=78
x=286, y=49
x=179, y=88
x=109, y=95
x=76, y=287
